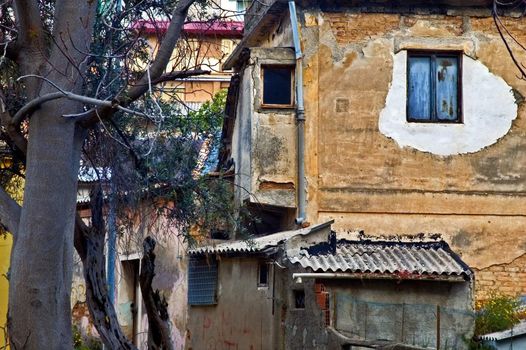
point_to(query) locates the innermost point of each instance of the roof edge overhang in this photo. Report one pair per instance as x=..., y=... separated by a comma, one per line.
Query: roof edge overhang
x=382, y=276
x=229, y=248
x=264, y=20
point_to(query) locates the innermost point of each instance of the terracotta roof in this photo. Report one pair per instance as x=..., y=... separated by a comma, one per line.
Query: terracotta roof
x=221, y=28
x=383, y=257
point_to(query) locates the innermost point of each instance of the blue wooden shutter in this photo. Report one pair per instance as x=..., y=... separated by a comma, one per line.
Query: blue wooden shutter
x=446, y=88
x=202, y=281
x=419, y=88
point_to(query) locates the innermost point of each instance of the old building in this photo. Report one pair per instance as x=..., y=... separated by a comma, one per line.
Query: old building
x=398, y=119
x=204, y=45
x=309, y=289
x=413, y=124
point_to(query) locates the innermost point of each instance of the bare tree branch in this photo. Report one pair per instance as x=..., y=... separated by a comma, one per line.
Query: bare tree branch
x=159, y=336
x=30, y=40
x=12, y=129
x=155, y=70
x=180, y=75
x=34, y=104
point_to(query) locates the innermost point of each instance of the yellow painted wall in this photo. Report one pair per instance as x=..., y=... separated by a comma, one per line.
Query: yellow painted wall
x=5, y=250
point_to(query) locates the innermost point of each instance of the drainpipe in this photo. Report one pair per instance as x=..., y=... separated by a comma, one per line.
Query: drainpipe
x=300, y=114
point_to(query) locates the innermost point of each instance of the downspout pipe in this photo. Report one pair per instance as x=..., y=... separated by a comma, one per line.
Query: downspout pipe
x=300, y=115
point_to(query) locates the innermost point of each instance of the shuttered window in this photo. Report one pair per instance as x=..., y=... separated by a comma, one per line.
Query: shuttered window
x=434, y=87
x=202, y=281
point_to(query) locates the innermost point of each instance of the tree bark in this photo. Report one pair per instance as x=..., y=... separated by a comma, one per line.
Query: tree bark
x=159, y=334
x=42, y=256
x=89, y=243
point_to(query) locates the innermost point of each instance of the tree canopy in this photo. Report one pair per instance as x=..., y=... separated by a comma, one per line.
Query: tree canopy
x=81, y=87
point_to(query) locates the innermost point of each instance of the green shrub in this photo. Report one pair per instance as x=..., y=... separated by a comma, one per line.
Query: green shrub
x=498, y=313
x=79, y=343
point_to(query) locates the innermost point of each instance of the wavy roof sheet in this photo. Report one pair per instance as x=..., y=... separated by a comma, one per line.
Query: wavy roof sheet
x=254, y=245
x=383, y=257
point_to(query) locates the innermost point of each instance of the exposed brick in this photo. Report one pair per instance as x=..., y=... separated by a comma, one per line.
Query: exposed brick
x=509, y=279
x=353, y=28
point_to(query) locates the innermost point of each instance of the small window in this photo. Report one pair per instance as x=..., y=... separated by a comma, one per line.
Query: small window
x=277, y=86
x=299, y=299
x=434, y=87
x=263, y=274
x=202, y=281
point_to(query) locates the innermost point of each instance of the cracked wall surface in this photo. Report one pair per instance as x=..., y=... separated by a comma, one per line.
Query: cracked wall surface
x=379, y=176
x=472, y=190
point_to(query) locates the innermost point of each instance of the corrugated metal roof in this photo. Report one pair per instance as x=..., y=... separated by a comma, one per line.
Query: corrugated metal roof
x=90, y=174
x=517, y=330
x=254, y=245
x=384, y=257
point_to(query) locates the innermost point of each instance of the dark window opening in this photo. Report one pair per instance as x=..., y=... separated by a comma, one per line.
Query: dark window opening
x=299, y=299
x=263, y=274
x=202, y=281
x=434, y=87
x=277, y=86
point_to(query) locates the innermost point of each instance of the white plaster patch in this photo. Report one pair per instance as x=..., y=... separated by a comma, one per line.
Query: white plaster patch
x=488, y=108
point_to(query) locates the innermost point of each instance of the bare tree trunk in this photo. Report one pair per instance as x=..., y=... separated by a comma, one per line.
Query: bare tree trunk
x=159, y=335
x=42, y=260
x=89, y=243
x=42, y=256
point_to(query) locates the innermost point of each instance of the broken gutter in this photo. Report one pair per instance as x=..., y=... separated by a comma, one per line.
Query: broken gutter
x=300, y=114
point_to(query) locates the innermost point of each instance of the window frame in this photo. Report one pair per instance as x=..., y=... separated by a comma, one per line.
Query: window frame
x=292, y=82
x=433, y=55
x=295, y=294
x=260, y=264
x=213, y=265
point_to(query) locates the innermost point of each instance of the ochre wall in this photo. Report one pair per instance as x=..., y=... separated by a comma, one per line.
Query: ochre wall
x=365, y=180
x=5, y=252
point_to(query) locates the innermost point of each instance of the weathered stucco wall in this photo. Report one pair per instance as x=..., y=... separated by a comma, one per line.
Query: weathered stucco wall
x=404, y=311
x=244, y=315
x=264, y=138
x=170, y=279
x=471, y=194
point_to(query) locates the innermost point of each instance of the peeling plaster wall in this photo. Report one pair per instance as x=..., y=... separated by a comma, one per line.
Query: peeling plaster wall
x=264, y=139
x=468, y=186
x=369, y=169
x=242, y=137
x=488, y=109
x=170, y=279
